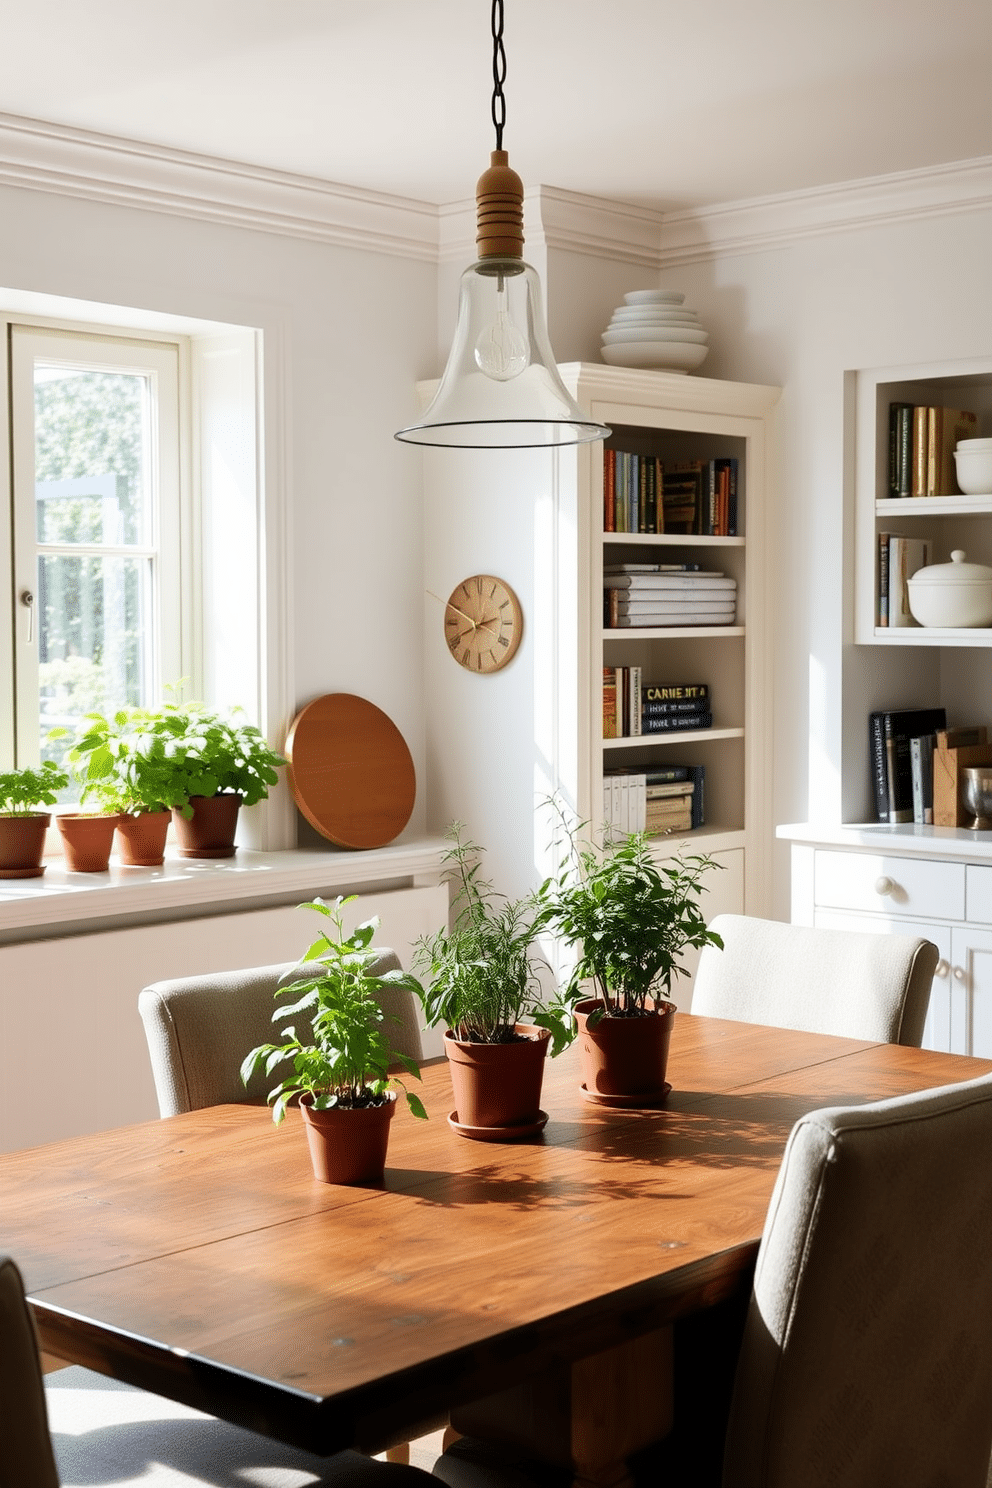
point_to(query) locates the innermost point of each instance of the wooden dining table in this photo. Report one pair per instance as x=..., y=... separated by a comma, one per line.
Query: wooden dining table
x=525, y=1289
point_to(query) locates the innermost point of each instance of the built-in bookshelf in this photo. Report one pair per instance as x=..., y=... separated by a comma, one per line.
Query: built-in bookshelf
x=945, y=520
x=669, y=423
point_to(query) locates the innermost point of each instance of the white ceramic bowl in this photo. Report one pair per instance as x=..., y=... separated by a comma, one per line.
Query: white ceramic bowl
x=656, y=333
x=973, y=444
x=952, y=596
x=652, y=316
x=653, y=297
x=663, y=356
x=974, y=469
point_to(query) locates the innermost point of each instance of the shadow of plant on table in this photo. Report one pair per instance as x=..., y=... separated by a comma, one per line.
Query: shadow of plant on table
x=629, y=915
x=483, y=982
x=340, y=1076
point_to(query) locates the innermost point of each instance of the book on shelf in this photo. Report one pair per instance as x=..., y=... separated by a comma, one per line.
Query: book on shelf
x=906, y=556
x=643, y=493
x=680, y=692
x=672, y=620
x=610, y=729
x=631, y=708
x=638, y=801
x=883, y=579
x=889, y=734
x=921, y=448
x=921, y=748
x=668, y=723
x=650, y=568
x=651, y=585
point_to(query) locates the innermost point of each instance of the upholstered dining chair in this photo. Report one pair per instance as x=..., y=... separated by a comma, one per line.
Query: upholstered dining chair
x=867, y=1351
x=200, y=1028
x=79, y=1428
x=847, y=982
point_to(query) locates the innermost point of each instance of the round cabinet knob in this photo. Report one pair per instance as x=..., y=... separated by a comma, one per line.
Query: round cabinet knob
x=958, y=973
x=942, y=968
x=884, y=886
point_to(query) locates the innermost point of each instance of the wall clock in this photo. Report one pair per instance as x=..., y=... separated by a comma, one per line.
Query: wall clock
x=483, y=623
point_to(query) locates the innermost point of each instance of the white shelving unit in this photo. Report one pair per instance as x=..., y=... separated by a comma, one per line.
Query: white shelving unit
x=680, y=418
x=949, y=521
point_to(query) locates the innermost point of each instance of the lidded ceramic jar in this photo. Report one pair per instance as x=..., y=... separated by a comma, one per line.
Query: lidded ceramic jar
x=952, y=596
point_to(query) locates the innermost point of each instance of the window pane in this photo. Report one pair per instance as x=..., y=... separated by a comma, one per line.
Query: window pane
x=93, y=637
x=91, y=456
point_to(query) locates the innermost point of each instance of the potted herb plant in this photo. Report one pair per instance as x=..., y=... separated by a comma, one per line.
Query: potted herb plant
x=206, y=764
x=22, y=825
x=340, y=1067
x=484, y=984
x=629, y=916
x=120, y=763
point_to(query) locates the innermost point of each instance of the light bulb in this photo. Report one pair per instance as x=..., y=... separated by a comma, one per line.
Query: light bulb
x=501, y=352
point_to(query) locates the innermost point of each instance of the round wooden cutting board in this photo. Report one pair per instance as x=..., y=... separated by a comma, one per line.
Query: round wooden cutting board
x=350, y=771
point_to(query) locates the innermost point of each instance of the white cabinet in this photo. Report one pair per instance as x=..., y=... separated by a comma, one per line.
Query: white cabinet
x=683, y=419
x=934, y=882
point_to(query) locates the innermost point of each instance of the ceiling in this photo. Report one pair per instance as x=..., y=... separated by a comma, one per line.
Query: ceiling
x=663, y=103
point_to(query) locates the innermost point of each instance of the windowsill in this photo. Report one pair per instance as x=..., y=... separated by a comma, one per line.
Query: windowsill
x=60, y=903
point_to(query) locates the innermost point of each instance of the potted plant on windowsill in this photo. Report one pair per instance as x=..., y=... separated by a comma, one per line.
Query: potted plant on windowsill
x=206, y=764
x=117, y=765
x=340, y=1072
x=630, y=917
x=22, y=825
x=484, y=984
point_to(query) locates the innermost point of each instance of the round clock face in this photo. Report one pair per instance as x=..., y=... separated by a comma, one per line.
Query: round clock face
x=483, y=623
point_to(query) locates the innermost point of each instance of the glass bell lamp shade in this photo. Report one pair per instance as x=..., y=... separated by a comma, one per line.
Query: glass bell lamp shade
x=501, y=388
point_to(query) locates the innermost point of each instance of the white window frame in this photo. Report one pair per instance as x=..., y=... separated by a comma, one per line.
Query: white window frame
x=170, y=643
x=234, y=481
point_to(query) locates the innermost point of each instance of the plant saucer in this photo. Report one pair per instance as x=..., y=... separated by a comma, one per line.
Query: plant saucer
x=643, y=1102
x=498, y=1133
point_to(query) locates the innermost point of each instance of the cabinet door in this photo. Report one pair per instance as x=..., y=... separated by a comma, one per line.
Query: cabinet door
x=943, y=1030
x=971, y=999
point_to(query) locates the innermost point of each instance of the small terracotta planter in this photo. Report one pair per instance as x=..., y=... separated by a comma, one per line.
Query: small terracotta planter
x=209, y=832
x=497, y=1087
x=22, y=844
x=141, y=838
x=86, y=840
x=348, y=1145
x=625, y=1060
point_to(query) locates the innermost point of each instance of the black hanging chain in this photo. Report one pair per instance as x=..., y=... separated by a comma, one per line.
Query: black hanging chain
x=499, y=73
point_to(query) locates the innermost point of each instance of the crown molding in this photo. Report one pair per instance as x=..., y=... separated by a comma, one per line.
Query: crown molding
x=772, y=221
x=38, y=156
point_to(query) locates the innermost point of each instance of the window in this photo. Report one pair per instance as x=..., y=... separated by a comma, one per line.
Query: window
x=132, y=512
x=96, y=528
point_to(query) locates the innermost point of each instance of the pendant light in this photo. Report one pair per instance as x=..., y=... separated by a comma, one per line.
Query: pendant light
x=501, y=388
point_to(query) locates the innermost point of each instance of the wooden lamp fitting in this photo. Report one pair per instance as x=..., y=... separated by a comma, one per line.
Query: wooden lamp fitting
x=499, y=198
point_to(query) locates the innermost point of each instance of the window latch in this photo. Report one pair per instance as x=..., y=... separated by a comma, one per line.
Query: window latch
x=27, y=599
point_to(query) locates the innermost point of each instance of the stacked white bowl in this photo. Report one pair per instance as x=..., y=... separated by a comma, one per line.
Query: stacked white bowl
x=653, y=329
x=973, y=464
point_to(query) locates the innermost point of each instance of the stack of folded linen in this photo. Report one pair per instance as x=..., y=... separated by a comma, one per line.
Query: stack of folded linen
x=655, y=596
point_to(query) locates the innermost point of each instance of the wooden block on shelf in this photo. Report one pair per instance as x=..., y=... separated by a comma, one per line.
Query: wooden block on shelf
x=956, y=749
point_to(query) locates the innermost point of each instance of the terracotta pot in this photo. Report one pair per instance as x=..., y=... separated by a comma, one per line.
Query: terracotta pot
x=209, y=832
x=22, y=844
x=348, y=1146
x=86, y=840
x=625, y=1059
x=141, y=838
x=497, y=1085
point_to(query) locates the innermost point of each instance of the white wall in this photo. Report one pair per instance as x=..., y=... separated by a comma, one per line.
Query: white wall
x=801, y=315
x=346, y=335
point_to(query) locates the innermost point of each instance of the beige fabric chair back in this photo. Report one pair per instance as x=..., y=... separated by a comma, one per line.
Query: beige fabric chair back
x=867, y=1355
x=844, y=982
x=200, y=1028
x=25, y=1446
